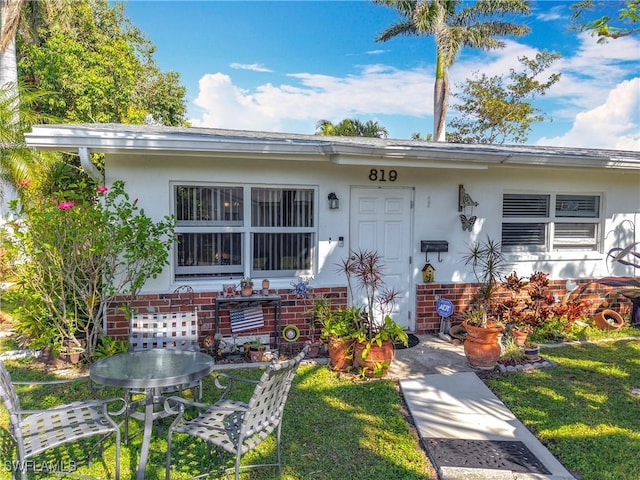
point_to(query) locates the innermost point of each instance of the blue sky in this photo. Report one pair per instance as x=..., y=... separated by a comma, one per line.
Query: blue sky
x=284, y=65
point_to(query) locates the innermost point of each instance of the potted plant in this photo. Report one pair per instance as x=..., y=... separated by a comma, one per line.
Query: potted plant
x=338, y=328
x=255, y=350
x=482, y=343
x=512, y=353
x=71, y=354
x=532, y=351
x=265, y=286
x=246, y=287
x=375, y=331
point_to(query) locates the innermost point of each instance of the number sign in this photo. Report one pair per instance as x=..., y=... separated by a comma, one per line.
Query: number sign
x=379, y=175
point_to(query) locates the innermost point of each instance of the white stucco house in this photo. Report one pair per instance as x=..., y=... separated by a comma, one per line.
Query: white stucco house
x=284, y=206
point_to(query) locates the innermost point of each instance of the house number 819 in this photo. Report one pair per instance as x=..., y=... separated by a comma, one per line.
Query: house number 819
x=376, y=175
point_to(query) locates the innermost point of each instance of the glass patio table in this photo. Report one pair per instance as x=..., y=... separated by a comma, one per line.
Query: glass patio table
x=151, y=370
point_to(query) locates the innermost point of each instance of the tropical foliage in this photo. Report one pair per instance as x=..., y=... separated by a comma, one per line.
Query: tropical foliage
x=627, y=23
x=73, y=256
x=351, y=127
x=364, y=271
x=100, y=67
x=454, y=24
x=17, y=162
x=492, y=110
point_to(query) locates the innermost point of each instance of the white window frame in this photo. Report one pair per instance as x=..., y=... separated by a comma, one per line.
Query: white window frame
x=552, y=219
x=246, y=230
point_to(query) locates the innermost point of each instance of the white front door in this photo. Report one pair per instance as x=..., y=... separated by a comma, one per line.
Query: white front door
x=381, y=220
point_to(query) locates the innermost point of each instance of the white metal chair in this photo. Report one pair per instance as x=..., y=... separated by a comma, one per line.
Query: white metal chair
x=164, y=330
x=172, y=330
x=238, y=427
x=36, y=431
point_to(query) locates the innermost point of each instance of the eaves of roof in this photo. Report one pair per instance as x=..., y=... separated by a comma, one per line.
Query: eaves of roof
x=240, y=144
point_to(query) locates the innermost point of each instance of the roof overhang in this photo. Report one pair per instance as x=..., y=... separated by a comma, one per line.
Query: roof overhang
x=236, y=144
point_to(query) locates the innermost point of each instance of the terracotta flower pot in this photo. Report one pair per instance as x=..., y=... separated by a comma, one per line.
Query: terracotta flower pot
x=341, y=354
x=378, y=360
x=482, y=345
x=246, y=291
x=519, y=337
x=255, y=356
x=72, y=355
x=314, y=350
x=608, y=320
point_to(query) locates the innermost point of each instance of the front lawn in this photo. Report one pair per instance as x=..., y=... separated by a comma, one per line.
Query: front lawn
x=334, y=428
x=586, y=410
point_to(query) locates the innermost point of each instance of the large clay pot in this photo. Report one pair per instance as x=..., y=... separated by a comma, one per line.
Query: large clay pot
x=608, y=320
x=482, y=345
x=341, y=354
x=377, y=361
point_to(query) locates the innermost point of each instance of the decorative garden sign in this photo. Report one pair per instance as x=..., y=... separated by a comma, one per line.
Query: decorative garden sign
x=444, y=307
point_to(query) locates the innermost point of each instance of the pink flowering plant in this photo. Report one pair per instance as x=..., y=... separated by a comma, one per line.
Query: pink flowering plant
x=76, y=255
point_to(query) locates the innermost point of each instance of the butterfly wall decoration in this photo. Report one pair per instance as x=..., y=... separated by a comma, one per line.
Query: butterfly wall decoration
x=467, y=222
x=465, y=205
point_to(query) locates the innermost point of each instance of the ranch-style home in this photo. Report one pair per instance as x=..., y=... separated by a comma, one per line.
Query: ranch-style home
x=291, y=207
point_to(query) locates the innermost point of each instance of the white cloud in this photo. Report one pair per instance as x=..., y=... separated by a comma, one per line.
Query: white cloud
x=554, y=13
x=254, y=67
x=377, y=89
x=225, y=105
x=593, y=73
x=615, y=124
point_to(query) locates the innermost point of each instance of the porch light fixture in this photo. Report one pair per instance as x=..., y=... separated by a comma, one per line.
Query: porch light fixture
x=334, y=203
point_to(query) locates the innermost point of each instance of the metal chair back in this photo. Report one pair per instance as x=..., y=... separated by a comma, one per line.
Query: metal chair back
x=36, y=431
x=11, y=402
x=239, y=427
x=164, y=330
x=266, y=406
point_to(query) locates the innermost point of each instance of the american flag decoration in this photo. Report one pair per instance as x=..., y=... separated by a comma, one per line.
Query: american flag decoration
x=246, y=319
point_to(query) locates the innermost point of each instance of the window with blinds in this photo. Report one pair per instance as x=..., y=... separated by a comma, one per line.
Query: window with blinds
x=550, y=222
x=283, y=220
x=215, y=239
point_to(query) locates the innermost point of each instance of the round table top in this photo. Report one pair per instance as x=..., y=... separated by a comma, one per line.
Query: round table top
x=151, y=368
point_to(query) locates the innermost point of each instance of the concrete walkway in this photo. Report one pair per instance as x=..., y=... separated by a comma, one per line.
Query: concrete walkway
x=447, y=400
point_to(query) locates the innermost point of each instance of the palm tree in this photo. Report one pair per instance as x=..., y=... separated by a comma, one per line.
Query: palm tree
x=351, y=127
x=475, y=25
x=9, y=21
x=371, y=129
x=19, y=164
x=25, y=18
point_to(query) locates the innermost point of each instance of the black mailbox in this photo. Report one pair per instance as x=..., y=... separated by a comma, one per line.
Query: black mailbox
x=434, y=246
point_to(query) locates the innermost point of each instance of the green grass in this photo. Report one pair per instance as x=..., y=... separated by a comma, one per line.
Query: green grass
x=339, y=428
x=583, y=410
x=333, y=428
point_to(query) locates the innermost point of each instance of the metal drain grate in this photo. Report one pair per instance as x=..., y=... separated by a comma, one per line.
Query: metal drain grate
x=489, y=454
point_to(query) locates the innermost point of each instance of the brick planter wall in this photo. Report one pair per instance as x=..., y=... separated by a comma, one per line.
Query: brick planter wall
x=293, y=311
x=460, y=294
x=294, y=308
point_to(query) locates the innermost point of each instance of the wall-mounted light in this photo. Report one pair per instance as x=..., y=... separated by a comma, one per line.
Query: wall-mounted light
x=334, y=203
